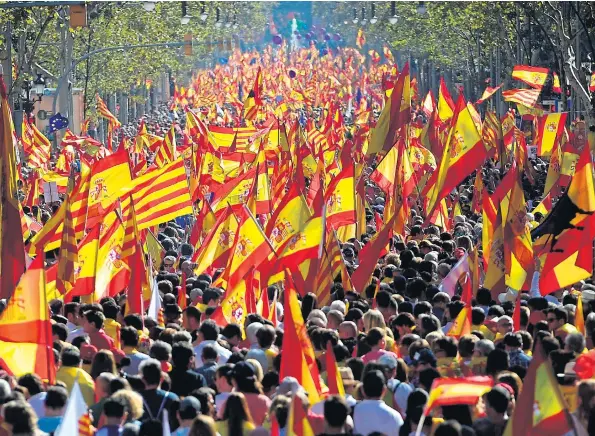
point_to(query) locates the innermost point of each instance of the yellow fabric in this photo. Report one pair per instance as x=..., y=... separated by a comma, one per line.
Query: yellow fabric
x=223, y=427
x=68, y=375
x=112, y=327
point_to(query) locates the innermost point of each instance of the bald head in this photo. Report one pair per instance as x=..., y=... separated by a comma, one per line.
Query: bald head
x=347, y=330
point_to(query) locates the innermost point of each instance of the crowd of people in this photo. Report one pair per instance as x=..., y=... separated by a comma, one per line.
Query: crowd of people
x=391, y=343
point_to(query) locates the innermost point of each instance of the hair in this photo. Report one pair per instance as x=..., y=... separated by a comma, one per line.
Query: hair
x=160, y=350
x=203, y=426
x=150, y=370
x=373, y=318
x=467, y=345
x=56, y=397
x=336, y=411
x=21, y=416
x=71, y=356
x=586, y=393
x=181, y=354
x=575, y=342
x=209, y=353
x=209, y=330
x=497, y=361
x=236, y=413
x=373, y=383
x=95, y=318
x=114, y=408
x=103, y=361
x=32, y=382
x=129, y=336
x=60, y=330
x=265, y=336
x=134, y=320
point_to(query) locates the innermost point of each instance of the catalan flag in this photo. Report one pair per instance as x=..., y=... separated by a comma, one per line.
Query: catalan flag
x=68, y=254
x=299, y=360
x=12, y=249
x=254, y=100
x=39, y=154
x=540, y=407
x=166, y=153
x=113, y=122
x=527, y=97
x=25, y=327
x=161, y=195
x=532, y=76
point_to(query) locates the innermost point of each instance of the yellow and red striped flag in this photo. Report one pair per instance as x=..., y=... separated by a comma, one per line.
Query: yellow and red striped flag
x=166, y=153
x=488, y=92
x=68, y=254
x=254, y=100
x=12, y=249
x=39, y=154
x=527, y=97
x=532, y=76
x=549, y=130
x=25, y=327
x=161, y=195
x=113, y=122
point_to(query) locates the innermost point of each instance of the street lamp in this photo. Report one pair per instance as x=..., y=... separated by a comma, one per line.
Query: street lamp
x=235, y=20
x=393, y=13
x=185, y=16
x=39, y=85
x=364, y=15
x=355, y=19
x=218, y=22
x=203, y=12
x=421, y=8
x=227, y=22
x=149, y=6
x=374, y=19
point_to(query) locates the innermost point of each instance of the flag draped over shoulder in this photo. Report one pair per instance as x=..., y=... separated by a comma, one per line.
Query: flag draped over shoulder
x=25, y=327
x=12, y=249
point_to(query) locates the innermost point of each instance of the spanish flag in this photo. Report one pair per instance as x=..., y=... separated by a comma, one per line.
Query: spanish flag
x=340, y=199
x=532, y=76
x=540, y=408
x=384, y=174
x=395, y=114
x=549, y=130
x=297, y=421
x=567, y=233
x=556, y=88
x=493, y=243
x=446, y=105
x=12, y=249
x=68, y=254
x=299, y=360
x=334, y=380
x=488, y=92
x=216, y=247
x=464, y=152
x=25, y=327
x=592, y=82
x=139, y=288
x=453, y=391
x=462, y=323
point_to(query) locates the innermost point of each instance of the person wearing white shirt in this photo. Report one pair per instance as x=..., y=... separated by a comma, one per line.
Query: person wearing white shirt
x=208, y=332
x=373, y=414
x=71, y=312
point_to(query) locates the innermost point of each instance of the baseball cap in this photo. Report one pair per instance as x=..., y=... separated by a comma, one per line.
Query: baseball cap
x=244, y=370
x=388, y=360
x=190, y=404
x=424, y=356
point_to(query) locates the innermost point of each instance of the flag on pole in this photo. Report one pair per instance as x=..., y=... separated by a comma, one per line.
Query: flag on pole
x=532, y=76
x=76, y=410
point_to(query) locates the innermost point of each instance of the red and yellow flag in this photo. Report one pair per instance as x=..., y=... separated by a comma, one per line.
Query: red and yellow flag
x=462, y=324
x=446, y=105
x=299, y=360
x=254, y=100
x=340, y=199
x=166, y=153
x=549, y=130
x=25, y=327
x=12, y=249
x=540, y=408
x=527, y=97
x=334, y=380
x=452, y=391
x=68, y=254
x=532, y=76
x=360, y=39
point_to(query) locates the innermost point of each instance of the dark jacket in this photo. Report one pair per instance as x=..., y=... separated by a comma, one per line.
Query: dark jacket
x=155, y=401
x=184, y=381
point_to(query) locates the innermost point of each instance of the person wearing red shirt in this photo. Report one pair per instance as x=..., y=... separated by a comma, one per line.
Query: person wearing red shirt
x=93, y=326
